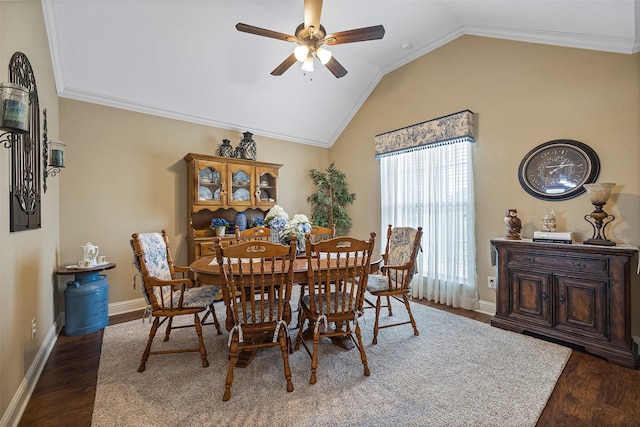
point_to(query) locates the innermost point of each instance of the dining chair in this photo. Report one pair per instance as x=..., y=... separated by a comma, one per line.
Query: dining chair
x=168, y=295
x=319, y=233
x=255, y=233
x=337, y=275
x=257, y=277
x=399, y=267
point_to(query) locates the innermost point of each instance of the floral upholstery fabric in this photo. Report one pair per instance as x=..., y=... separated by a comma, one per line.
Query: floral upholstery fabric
x=377, y=283
x=261, y=317
x=401, y=245
x=307, y=302
x=155, y=255
x=200, y=296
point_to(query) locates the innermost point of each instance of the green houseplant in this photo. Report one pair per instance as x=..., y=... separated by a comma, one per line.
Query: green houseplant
x=329, y=202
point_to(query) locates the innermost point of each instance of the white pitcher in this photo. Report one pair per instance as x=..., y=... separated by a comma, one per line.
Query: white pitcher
x=89, y=256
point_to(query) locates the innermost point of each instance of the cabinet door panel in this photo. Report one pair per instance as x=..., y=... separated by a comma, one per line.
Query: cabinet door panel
x=209, y=181
x=241, y=181
x=530, y=296
x=581, y=306
x=266, y=186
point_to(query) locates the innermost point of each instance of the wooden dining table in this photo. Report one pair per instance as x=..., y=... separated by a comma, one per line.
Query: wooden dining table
x=207, y=272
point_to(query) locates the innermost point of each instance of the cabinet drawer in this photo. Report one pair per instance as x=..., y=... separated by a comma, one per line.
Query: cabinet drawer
x=207, y=249
x=559, y=262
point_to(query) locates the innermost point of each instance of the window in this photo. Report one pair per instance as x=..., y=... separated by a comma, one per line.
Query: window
x=432, y=186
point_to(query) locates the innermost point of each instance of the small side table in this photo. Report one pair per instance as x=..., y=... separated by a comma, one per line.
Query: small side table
x=86, y=299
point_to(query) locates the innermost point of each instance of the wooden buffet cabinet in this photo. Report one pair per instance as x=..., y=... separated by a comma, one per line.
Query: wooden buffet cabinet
x=574, y=293
x=221, y=187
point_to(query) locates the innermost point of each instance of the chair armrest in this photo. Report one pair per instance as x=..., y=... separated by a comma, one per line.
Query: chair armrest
x=181, y=269
x=176, y=284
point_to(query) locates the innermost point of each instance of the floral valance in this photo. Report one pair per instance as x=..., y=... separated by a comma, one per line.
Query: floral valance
x=448, y=129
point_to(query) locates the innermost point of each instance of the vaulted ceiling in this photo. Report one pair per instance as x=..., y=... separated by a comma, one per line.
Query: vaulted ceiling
x=185, y=59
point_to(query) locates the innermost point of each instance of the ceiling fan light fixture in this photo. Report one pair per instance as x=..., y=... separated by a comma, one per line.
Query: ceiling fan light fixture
x=324, y=55
x=308, y=64
x=301, y=52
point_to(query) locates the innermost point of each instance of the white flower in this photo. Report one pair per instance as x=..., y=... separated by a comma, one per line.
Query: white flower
x=275, y=212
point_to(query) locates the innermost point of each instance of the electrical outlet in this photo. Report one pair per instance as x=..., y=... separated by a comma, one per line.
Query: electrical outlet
x=491, y=282
x=33, y=328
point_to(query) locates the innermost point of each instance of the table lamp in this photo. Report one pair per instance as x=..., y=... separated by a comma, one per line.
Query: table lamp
x=599, y=194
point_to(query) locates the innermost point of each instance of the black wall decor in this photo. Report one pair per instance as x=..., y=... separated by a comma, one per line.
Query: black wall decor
x=25, y=154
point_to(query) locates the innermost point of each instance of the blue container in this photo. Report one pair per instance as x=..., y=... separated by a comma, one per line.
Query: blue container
x=241, y=221
x=86, y=302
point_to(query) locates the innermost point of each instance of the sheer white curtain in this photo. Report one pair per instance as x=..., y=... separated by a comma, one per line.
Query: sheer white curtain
x=432, y=187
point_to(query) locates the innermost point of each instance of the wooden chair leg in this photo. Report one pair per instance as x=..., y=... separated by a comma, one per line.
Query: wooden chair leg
x=145, y=354
x=363, y=354
x=284, y=346
x=314, y=357
x=203, y=349
x=212, y=312
x=389, y=306
x=233, y=357
x=168, y=330
x=413, y=322
x=375, y=325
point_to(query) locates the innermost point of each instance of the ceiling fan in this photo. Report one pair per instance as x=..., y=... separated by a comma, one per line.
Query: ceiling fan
x=310, y=36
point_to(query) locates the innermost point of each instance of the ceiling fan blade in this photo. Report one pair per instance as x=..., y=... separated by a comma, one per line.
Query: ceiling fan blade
x=336, y=68
x=312, y=10
x=284, y=66
x=265, y=33
x=361, y=34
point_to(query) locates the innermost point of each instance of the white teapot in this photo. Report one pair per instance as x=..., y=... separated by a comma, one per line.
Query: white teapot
x=89, y=256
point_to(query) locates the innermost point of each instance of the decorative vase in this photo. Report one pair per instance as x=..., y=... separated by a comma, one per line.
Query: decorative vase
x=249, y=149
x=226, y=150
x=220, y=230
x=301, y=245
x=238, y=152
x=241, y=221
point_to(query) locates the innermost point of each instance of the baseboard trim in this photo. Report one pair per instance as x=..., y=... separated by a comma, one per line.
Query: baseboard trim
x=487, y=307
x=20, y=399
x=127, y=306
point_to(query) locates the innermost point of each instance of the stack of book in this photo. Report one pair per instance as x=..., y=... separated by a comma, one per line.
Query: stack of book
x=553, y=236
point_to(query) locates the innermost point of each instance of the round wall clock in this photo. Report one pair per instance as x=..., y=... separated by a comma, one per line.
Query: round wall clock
x=557, y=170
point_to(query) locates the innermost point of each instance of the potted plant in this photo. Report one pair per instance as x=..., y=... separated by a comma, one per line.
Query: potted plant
x=328, y=204
x=219, y=225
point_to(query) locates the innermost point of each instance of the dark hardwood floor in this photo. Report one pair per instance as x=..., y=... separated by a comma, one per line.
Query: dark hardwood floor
x=590, y=391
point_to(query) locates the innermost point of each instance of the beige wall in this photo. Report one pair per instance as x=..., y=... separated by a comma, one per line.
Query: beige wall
x=126, y=174
x=27, y=258
x=523, y=94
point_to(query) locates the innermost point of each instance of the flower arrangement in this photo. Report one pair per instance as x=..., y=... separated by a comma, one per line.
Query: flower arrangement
x=298, y=226
x=275, y=213
x=256, y=222
x=219, y=222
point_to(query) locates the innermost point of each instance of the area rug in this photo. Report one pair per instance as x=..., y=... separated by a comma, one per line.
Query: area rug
x=457, y=372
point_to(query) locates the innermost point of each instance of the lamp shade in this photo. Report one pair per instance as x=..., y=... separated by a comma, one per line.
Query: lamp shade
x=308, y=64
x=301, y=52
x=599, y=192
x=324, y=55
x=14, y=108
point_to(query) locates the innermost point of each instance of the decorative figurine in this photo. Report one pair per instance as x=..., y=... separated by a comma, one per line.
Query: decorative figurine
x=226, y=150
x=549, y=221
x=514, y=225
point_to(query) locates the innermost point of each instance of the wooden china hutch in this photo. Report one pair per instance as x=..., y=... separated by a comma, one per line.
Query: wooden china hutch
x=220, y=187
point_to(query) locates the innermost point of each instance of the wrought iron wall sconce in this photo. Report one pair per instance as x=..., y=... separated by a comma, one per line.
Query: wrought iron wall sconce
x=52, y=155
x=20, y=121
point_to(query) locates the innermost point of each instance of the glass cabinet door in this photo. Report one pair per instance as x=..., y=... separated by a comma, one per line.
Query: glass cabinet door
x=210, y=183
x=266, y=186
x=241, y=182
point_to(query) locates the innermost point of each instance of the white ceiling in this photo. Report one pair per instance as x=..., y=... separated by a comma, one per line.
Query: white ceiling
x=184, y=59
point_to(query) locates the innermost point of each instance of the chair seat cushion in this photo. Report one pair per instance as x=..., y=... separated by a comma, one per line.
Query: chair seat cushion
x=377, y=283
x=201, y=296
x=260, y=315
x=306, y=300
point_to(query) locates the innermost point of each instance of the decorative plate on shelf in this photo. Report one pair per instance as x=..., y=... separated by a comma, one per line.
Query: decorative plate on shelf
x=241, y=194
x=558, y=170
x=216, y=194
x=204, y=193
